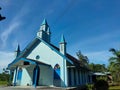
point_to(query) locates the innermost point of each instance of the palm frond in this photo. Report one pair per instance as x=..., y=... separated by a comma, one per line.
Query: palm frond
x=114, y=66
x=113, y=59
x=112, y=50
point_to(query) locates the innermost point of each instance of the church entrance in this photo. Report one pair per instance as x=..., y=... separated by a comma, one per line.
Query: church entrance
x=57, y=79
x=19, y=76
x=36, y=75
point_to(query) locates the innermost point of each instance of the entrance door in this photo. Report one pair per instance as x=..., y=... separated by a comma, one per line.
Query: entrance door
x=36, y=75
x=57, y=79
x=19, y=76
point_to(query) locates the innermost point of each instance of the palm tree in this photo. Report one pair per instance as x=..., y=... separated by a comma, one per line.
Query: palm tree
x=114, y=66
x=115, y=60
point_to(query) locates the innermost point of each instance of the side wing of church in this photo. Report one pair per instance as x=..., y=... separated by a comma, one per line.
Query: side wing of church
x=42, y=63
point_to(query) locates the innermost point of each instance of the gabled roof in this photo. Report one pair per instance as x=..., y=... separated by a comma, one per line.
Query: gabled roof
x=31, y=46
x=36, y=41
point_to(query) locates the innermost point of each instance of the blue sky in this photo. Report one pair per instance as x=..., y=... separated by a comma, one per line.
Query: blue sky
x=92, y=26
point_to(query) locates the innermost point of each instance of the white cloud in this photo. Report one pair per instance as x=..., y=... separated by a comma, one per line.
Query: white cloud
x=14, y=24
x=8, y=31
x=5, y=58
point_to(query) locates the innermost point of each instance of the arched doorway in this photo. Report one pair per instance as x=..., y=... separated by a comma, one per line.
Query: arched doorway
x=36, y=75
x=57, y=79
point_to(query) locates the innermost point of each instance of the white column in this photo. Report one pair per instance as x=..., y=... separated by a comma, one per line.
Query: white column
x=66, y=75
x=15, y=76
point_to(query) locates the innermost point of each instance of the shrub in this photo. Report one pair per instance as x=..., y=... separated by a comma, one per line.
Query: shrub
x=101, y=85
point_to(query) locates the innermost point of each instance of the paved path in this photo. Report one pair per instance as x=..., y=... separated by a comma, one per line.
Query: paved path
x=31, y=88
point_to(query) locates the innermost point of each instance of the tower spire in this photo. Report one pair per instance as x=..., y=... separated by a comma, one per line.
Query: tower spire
x=44, y=22
x=44, y=31
x=62, y=39
x=17, y=52
x=63, y=45
x=18, y=48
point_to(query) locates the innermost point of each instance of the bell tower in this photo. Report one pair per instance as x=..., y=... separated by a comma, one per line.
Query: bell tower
x=44, y=31
x=63, y=45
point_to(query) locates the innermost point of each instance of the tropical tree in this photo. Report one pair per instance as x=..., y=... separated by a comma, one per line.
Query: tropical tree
x=97, y=67
x=83, y=59
x=116, y=54
x=114, y=65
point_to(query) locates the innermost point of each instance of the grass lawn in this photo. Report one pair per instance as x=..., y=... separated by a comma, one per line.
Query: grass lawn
x=114, y=88
x=3, y=83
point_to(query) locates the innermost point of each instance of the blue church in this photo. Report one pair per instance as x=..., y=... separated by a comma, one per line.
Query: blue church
x=43, y=64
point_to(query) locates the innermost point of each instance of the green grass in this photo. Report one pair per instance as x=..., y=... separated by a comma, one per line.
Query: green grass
x=114, y=88
x=3, y=83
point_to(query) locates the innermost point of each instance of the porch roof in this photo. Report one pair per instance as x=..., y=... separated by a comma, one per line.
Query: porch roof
x=16, y=62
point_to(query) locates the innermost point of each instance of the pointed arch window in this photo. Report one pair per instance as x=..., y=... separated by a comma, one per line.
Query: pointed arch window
x=57, y=71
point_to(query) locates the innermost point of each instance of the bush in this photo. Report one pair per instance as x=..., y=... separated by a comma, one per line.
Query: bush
x=101, y=85
x=90, y=86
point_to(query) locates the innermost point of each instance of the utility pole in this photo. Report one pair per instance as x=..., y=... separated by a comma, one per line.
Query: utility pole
x=1, y=17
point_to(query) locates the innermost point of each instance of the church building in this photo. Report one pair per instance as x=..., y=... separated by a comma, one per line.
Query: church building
x=43, y=64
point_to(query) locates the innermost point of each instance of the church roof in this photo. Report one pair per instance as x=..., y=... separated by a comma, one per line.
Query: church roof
x=35, y=42
x=16, y=61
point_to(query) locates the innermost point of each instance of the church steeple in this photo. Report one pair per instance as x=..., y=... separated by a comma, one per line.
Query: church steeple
x=44, y=25
x=63, y=45
x=44, y=22
x=17, y=52
x=44, y=31
x=62, y=39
